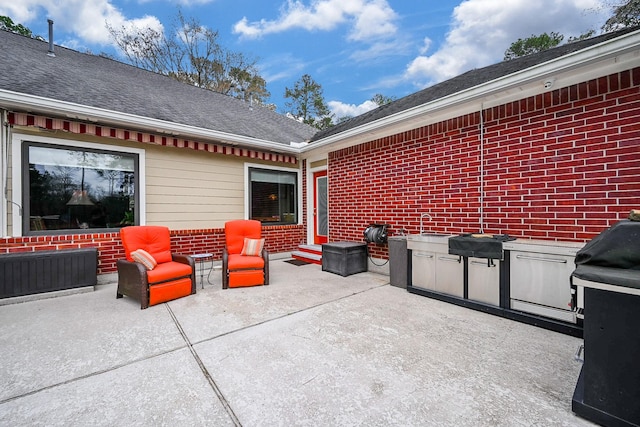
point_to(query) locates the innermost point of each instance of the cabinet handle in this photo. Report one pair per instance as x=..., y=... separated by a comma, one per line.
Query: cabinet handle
x=418, y=254
x=537, y=258
x=443, y=258
x=482, y=263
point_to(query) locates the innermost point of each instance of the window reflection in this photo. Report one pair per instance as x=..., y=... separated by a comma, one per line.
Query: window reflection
x=79, y=189
x=273, y=196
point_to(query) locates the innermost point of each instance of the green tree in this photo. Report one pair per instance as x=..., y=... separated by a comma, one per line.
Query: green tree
x=381, y=99
x=307, y=103
x=194, y=56
x=584, y=36
x=624, y=15
x=533, y=44
x=7, y=24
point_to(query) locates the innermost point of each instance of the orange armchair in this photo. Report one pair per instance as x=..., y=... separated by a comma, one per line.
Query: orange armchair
x=158, y=275
x=244, y=263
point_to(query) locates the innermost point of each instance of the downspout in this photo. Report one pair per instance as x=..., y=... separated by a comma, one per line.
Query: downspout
x=5, y=138
x=481, y=168
x=4, y=149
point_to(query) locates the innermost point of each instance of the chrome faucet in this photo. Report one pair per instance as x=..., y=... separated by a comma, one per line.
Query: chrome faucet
x=421, y=219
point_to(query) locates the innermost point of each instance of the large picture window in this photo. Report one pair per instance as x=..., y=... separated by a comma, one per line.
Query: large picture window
x=72, y=188
x=273, y=196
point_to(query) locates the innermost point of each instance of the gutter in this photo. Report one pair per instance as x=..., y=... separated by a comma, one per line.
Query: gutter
x=537, y=77
x=37, y=104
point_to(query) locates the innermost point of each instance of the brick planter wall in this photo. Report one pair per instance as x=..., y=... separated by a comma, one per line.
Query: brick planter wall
x=563, y=165
x=278, y=239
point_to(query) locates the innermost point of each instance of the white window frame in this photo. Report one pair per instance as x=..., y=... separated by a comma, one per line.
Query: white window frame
x=18, y=139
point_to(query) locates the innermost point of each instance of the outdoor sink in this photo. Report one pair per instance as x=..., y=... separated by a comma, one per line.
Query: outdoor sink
x=429, y=237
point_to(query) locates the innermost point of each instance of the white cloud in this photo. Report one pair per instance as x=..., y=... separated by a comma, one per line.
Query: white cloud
x=340, y=109
x=482, y=30
x=281, y=67
x=426, y=45
x=379, y=50
x=368, y=18
x=86, y=19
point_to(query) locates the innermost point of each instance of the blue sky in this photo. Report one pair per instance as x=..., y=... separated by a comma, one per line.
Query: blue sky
x=353, y=48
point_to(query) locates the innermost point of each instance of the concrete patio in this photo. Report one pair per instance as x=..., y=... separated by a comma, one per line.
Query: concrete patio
x=313, y=348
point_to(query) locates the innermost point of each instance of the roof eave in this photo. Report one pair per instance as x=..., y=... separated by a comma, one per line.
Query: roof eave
x=604, y=58
x=39, y=105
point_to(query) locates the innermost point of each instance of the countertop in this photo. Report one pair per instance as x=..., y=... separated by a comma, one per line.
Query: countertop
x=543, y=246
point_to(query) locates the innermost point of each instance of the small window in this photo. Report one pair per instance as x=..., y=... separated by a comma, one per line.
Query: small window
x=273, y=196
x=72, y=188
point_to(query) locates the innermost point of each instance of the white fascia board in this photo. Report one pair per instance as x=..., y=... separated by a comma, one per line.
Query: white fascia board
x=100, y=116
x=607, y=57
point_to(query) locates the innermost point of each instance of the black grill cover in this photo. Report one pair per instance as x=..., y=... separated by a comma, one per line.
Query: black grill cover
x=612, y=257
x=616, y=247
x=477, y=247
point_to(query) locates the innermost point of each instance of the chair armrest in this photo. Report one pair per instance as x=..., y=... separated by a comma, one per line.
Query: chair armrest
x=132, y=281
x=186, y=259
x=183, y=259
x=225, y=268
x=265, y=256
x=131, y=272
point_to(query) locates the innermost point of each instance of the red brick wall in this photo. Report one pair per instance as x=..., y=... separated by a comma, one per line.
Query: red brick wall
x=559, y=166
x=277, y=239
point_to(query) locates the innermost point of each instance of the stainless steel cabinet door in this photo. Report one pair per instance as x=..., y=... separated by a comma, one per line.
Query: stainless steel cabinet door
x=423, y=270
x=450, y=275
x=541, y=278
x=484, y=281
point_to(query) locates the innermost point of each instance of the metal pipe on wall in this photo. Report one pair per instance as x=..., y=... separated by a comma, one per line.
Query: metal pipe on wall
x=481, y=168
x=4, y=150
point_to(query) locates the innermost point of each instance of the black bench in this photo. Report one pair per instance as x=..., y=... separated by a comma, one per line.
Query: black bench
x=28, y=273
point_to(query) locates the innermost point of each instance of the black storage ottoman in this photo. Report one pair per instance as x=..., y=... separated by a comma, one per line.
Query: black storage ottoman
x=344, y=258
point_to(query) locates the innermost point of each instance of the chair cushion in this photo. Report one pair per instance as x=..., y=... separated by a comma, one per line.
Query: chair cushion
x=239, y=262
x=235, y=232
x=246, y=278
x=164, y=292
x=252, y=247
x=154, y=239
x=144, y=258
x=167, y=271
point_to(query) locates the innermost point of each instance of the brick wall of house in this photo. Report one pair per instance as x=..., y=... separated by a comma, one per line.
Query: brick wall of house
x=277, y=239
x=563, y=165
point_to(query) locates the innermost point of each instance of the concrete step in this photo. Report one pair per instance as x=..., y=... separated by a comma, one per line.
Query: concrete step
x=307, y=256
x=314, y=249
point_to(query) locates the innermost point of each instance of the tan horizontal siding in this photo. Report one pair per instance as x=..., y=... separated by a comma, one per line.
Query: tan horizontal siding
x=187, y=189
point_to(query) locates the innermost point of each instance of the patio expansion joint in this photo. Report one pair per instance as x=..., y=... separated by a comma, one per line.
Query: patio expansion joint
x=89, y=375
x=312, y=307
x=204, y=370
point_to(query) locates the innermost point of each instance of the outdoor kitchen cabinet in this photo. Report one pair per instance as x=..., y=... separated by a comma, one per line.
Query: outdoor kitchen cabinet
x=525, y=280
x=449, y=274
x=483, y=281
x=540, y=278
x=433, y=269
x=423, y=273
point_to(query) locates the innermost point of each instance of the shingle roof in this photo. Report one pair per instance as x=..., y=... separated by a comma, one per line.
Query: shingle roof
x=466, y=81
x=100, y=82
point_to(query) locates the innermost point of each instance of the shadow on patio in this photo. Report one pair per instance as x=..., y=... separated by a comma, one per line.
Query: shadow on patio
x=313, y=348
